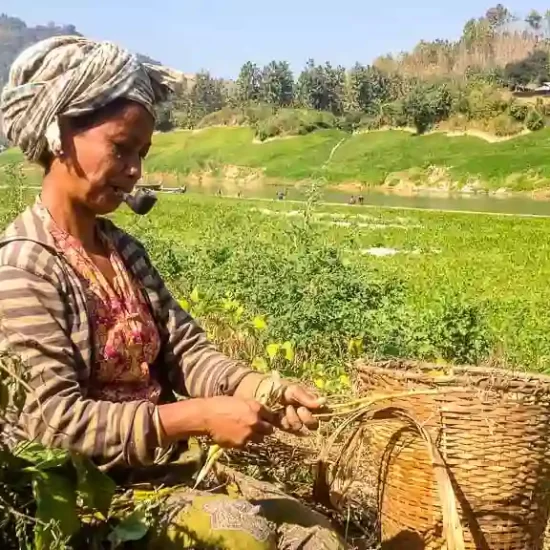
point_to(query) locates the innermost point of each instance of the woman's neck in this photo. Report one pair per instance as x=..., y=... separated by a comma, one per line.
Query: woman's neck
x=69, y=216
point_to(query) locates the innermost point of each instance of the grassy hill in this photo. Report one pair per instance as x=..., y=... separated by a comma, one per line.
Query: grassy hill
x=389, y=158
x=376, y=158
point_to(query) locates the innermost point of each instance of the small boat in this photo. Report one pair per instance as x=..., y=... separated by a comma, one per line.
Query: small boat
x=147, y=185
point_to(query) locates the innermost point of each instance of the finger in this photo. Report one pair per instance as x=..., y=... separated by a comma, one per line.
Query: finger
x=284, y=424
x=263, y=412
x=298, y=395
x=262, y=427
x=307, y=418
x=293, y=419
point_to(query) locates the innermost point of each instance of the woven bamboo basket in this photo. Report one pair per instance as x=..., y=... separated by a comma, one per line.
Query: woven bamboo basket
x=491, y=430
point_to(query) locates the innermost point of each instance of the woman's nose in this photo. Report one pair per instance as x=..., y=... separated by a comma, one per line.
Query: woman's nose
x=134, y=170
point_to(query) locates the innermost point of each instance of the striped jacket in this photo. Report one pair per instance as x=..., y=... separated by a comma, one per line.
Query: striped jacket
x=44, y=320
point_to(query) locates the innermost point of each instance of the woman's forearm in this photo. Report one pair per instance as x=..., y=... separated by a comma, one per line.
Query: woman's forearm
x=191, y=417
x=183, y=419
x=248, y=387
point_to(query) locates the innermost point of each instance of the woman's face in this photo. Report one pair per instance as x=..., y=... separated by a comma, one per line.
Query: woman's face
x=103, y=159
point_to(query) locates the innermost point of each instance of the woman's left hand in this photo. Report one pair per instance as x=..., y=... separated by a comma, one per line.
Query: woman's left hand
x=299, y=405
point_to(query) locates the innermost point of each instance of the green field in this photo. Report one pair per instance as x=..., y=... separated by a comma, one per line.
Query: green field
x=335, y=281
x=458, y=287
x=433, y=285
x=519, y=164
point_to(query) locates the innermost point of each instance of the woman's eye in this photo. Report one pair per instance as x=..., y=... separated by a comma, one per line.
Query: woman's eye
x=118, y=150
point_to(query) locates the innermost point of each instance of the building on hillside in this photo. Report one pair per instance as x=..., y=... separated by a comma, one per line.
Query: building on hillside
x=532, y=91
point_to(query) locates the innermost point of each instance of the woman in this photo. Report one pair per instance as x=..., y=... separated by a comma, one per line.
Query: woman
x=105, y=343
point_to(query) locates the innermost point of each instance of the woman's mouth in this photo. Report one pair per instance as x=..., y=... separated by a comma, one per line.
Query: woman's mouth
x=119, y=191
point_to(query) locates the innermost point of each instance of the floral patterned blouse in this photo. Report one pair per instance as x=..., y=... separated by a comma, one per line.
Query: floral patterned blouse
x=126, y=339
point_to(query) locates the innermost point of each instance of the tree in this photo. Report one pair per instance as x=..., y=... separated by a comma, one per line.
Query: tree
x=206, y=95
x=277, y=84
x=478, y=35
x=427, y=105
x=534, y=20
x=248, y=83
x=368, y=88
x=531, y=70
x=498, y=16
x=164, y=122
x=322, y=87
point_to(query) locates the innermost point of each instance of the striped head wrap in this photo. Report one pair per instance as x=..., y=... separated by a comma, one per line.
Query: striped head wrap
x=72, y=76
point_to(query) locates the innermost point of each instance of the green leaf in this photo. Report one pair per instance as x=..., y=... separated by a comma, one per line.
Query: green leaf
x=289, y=351
x=95, y=488
x=259, y=323
x=185, y=304
x=55, y=497
x=320, y=383
x=238, y=313
x=195, y=298
x=355, y=346
x=273, y=350
x=260, y=364
x=132, y=528
x=41, y=457
x=345, y=381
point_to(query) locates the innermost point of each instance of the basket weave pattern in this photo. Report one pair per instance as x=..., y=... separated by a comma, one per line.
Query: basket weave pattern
x=492, y=429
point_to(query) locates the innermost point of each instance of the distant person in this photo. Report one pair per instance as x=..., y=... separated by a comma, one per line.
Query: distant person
x=361, y=199
x=239, y=194
x=106, y=345
x=280, y=195
x=352, y=200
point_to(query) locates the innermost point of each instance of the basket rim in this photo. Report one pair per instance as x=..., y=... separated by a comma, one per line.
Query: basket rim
x=455, y=375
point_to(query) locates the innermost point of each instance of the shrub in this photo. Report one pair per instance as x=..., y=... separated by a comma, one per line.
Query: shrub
x=485, y=102
x=518, y=111
x=371, y=123
x=534, y=121
x=504, y=125
x=228, y=116
x=237, y=116
x=164, y=121
x=294, y=122
x=393, y=114
x=350, y=121
x=532, y=69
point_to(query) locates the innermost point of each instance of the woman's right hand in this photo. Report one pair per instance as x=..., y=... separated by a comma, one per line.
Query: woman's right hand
x=229, y=421
x=233, y=421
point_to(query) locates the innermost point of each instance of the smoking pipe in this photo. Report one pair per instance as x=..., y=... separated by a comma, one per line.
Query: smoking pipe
x=141, y=202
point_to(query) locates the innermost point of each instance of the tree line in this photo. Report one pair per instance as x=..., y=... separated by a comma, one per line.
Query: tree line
x=387, y=92
x=363, y=96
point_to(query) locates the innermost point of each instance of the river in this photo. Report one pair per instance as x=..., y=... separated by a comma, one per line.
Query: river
x=478, y=203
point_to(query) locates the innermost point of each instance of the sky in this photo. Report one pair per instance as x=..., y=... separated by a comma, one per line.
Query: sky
x=220, y=35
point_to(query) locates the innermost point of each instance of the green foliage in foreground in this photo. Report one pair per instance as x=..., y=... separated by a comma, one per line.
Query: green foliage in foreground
x=518, y=164
x=460, y=288
x=299, y=290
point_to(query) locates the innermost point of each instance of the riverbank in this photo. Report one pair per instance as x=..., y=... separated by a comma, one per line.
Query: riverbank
x=390, y=161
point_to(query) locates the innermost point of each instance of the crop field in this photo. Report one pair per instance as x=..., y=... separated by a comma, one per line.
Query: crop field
x=310, y=286
x=335, y=281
